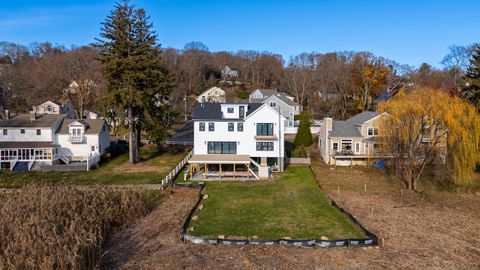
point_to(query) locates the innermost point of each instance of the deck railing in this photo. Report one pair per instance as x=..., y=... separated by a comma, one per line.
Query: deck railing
x=176, y=170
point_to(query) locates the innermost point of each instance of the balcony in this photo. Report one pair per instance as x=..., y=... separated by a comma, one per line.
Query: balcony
x=76, y=138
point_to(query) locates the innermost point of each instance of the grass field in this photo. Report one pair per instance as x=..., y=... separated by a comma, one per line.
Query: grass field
x=292, y=205
x=156, y=165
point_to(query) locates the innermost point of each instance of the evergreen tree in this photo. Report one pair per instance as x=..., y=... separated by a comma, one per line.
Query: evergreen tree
x=139, y=85
x=304, y=136
x=472, y=77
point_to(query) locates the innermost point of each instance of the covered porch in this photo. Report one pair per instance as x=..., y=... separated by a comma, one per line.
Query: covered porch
x=221, y=167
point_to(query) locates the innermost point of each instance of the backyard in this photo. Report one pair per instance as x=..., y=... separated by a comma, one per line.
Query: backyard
x=292, y=205
x=156, y=164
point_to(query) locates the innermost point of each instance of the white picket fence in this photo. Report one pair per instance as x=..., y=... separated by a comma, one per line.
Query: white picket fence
x=175, y=171
x=92, y=160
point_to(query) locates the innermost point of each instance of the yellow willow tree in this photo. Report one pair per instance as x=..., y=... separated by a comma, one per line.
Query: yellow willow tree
x=428, y=126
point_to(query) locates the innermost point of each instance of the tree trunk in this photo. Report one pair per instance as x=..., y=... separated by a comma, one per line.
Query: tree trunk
x=132, y=140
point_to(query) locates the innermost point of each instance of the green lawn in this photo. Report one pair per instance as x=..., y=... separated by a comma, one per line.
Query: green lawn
x=152, y=170
x=292, y=205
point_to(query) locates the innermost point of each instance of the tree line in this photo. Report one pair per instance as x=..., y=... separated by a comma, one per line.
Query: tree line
x=337, y=84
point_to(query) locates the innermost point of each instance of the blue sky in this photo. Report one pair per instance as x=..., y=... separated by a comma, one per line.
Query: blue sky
x=409, y=32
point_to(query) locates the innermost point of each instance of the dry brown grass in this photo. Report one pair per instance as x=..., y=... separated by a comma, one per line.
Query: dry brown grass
x=61, y=226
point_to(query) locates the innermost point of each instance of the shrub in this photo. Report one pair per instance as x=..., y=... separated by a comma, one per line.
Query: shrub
x=241, y=94
x=299, y=152
x=304, y=136
x=61, y=226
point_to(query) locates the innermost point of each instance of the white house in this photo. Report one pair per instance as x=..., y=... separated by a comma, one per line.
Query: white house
x=229, y=73
x=32, y=141
x=259, y=95
x=355, y=141
x=287, y=107
x=212, y=95
x=81, y=138
x=239, y=140
x=51, y=107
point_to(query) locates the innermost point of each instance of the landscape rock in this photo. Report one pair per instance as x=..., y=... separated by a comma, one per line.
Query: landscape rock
x=287, y=238
x=191, y=229
x=194, y=217
x=323, y=238
x=200, y=207
x=205, y=196
x=221, y=237
x=254, y=237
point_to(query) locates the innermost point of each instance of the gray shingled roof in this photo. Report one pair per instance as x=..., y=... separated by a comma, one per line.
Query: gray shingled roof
x=213, y=111
x=94, y=126
x=268, y=92
x=285, y=99
x=23, y=120
x=363, y=117
x=344, y=129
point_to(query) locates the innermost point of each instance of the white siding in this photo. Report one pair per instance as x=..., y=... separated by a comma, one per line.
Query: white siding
x=246, y=142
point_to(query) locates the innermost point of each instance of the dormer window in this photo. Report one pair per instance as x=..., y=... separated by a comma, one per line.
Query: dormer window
x=76, y=132
x=273, y=104
x=372, y=131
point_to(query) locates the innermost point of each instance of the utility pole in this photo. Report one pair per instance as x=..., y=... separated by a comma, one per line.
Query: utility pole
x=185, y=100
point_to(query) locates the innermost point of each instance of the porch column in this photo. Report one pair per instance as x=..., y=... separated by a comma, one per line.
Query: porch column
x=234, y=171
x=220, y=174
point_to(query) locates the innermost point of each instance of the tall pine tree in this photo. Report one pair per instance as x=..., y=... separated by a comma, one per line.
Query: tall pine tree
x=139, y=85
x=472, y=77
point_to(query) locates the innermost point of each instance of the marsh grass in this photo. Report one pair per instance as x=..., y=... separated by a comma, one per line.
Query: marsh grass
x=65, y=227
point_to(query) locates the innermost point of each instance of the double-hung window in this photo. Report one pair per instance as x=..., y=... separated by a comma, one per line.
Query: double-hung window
x=239, y=126
x=372, y=131
x=229, y=110
x=211, y=126
x=5, y=132
x=264, y=146
x=231, y=127
x=201, y=126
x=39, y=132
x=264, y=129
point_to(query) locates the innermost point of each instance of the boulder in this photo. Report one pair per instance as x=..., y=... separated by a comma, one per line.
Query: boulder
x=286, y=238
x=221, y=237
x=200, y=207
x=194, y=217
x=254, y=237
x=205, y=196
x=191, y=229
x=323, y=238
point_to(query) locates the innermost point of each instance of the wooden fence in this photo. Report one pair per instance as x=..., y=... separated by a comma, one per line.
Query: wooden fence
x=176, y=170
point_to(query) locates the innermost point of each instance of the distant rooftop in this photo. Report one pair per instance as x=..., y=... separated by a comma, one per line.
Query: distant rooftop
x=23, y=120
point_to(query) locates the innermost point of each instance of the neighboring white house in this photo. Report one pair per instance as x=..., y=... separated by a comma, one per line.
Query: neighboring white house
x=288, y=108
x=91, y=115
x=29, y=141
x=51, y=107
x=229, y=73
x=243, y=140
x=212, y=95
x=279, y=101
x=259, y=95
x=355, y=141
x=79, y=139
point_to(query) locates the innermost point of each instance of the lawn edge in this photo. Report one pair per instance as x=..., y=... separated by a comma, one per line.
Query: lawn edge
x=370, y=241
